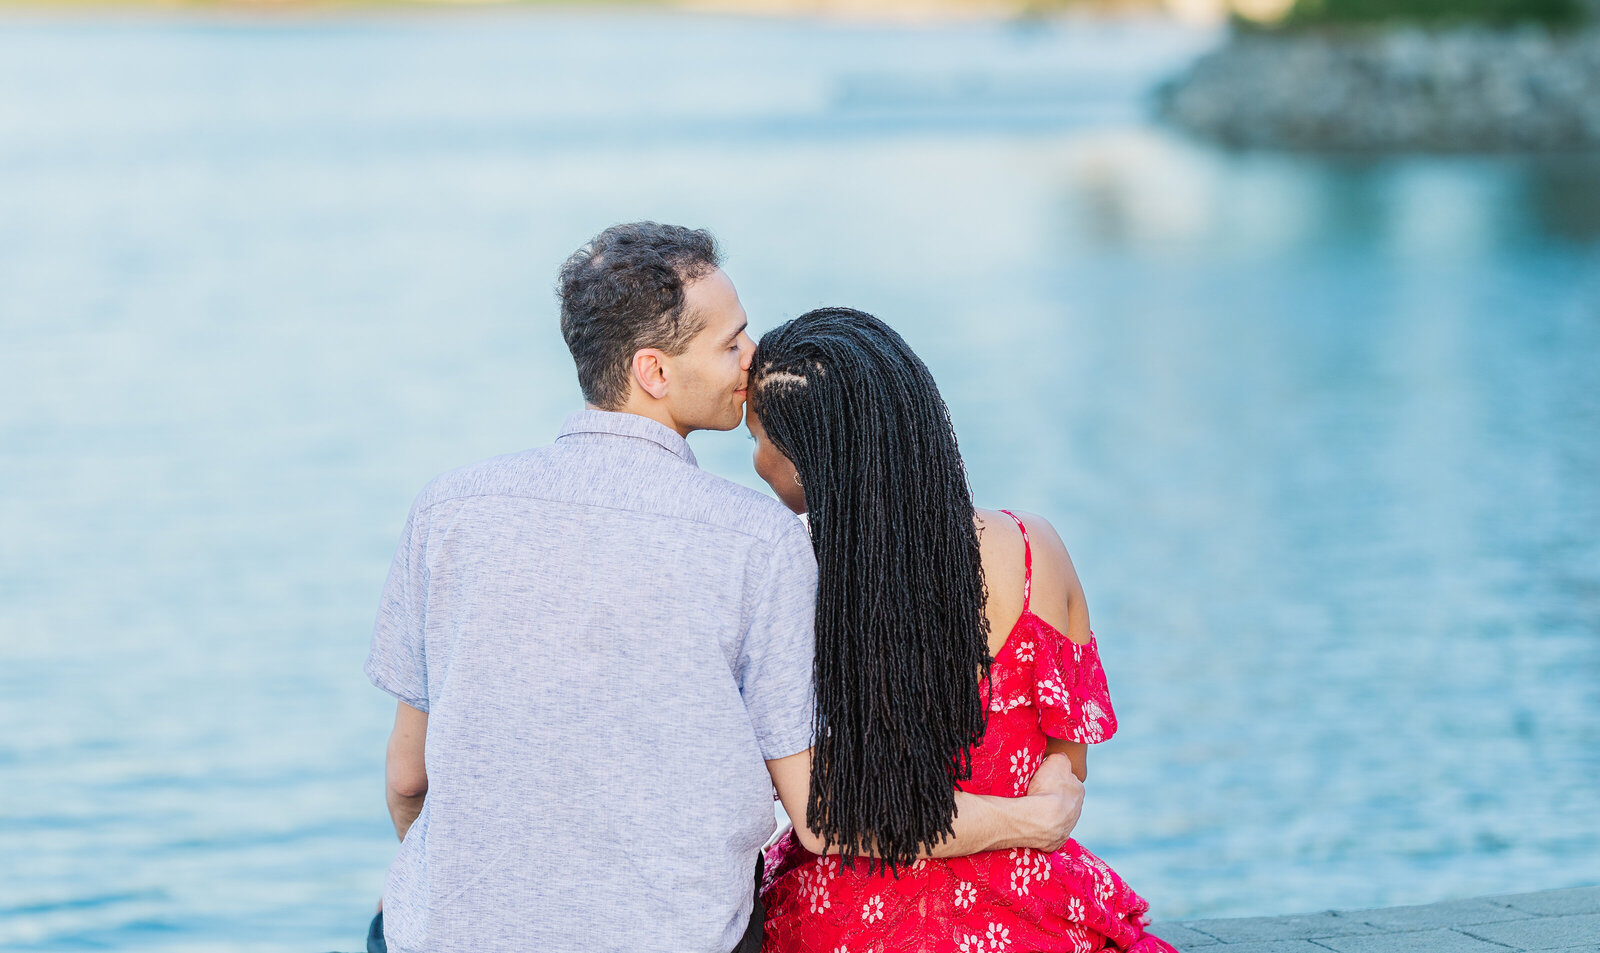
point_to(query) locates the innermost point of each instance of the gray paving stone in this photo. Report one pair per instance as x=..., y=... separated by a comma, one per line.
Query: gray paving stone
x=1181, y=936
x=1308, y=927
x=1543, y=933
x=1270, y=946
x=1554, y=921
x=1424, y=941
x=1451, y=913
x=1555, y=903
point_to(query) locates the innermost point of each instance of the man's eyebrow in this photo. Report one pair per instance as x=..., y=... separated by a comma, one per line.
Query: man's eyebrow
x=737, y=331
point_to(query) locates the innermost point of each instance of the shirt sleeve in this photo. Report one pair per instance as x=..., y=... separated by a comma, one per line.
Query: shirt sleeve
x=397, y=662
x=775, y=659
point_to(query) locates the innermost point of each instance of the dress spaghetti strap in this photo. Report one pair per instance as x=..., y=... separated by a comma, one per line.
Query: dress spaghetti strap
x=1027, y=561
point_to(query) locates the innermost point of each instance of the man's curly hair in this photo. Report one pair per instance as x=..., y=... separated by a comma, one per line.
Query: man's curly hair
x=624, y=291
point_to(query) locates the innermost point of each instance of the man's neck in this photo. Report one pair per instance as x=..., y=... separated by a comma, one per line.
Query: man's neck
x=650, y=409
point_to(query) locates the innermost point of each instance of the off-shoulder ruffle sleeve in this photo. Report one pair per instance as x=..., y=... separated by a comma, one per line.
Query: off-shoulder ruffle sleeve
x=1070, y=688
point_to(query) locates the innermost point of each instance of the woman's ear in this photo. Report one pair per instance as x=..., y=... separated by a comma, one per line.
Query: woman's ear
x=650, y=371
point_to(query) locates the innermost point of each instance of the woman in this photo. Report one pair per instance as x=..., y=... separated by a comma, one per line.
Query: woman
x=926, y=679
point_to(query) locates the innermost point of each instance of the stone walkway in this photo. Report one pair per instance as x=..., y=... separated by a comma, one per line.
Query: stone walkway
x=1567, y=921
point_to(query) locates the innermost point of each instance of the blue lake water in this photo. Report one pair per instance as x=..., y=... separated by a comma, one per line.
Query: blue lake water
x=1323, y=434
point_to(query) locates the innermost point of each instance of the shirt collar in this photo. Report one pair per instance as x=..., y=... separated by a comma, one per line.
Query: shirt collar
x=629, y=425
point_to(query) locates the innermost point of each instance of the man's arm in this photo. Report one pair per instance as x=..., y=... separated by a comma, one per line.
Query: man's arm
x=405, y=770
x=1044, y=819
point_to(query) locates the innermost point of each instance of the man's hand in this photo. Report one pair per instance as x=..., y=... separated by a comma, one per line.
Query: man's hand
x=1061, y=799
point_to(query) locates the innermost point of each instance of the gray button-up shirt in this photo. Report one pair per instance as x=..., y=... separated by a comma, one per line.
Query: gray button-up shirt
x=608, y=642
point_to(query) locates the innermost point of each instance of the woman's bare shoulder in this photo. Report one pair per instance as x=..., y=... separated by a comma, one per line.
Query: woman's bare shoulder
x=1001, y=543
x=1057, y=592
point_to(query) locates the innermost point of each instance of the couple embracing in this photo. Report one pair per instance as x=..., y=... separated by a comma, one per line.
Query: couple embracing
x=608, y=661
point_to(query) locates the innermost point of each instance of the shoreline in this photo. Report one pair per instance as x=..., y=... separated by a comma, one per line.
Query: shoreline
x=891, y=13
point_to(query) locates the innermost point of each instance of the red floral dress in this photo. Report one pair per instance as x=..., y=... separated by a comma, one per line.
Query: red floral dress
x=1042, y=686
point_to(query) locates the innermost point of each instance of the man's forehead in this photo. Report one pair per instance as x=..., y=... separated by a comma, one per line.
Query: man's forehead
x=714, y=284
x=717, y=301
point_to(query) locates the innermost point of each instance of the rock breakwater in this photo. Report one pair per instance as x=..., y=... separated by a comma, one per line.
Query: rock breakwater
x=1463, y=89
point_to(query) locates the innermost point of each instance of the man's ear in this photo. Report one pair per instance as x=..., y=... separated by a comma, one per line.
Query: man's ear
x=650, y=371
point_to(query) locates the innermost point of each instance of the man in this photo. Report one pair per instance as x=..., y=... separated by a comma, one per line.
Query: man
x=602, y=654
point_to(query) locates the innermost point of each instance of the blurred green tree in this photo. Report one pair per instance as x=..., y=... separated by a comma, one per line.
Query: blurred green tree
x=1495, y=12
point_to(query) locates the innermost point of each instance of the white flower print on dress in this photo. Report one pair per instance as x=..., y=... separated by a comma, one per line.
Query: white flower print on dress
x=1041, y=866
x=814, y=883
x=817, y=896
x=1105, y=885
x=1105, y=890
x=966, y=894
x=969, y=944
x=1080, y=939
x=1075, y=909
x=1051, y=692
x=1025, y=651
x=1093, y=718
x=1006, y=704
x=872, y=910
x=1024, y=765
x=1022, y=870
x=999, y=937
